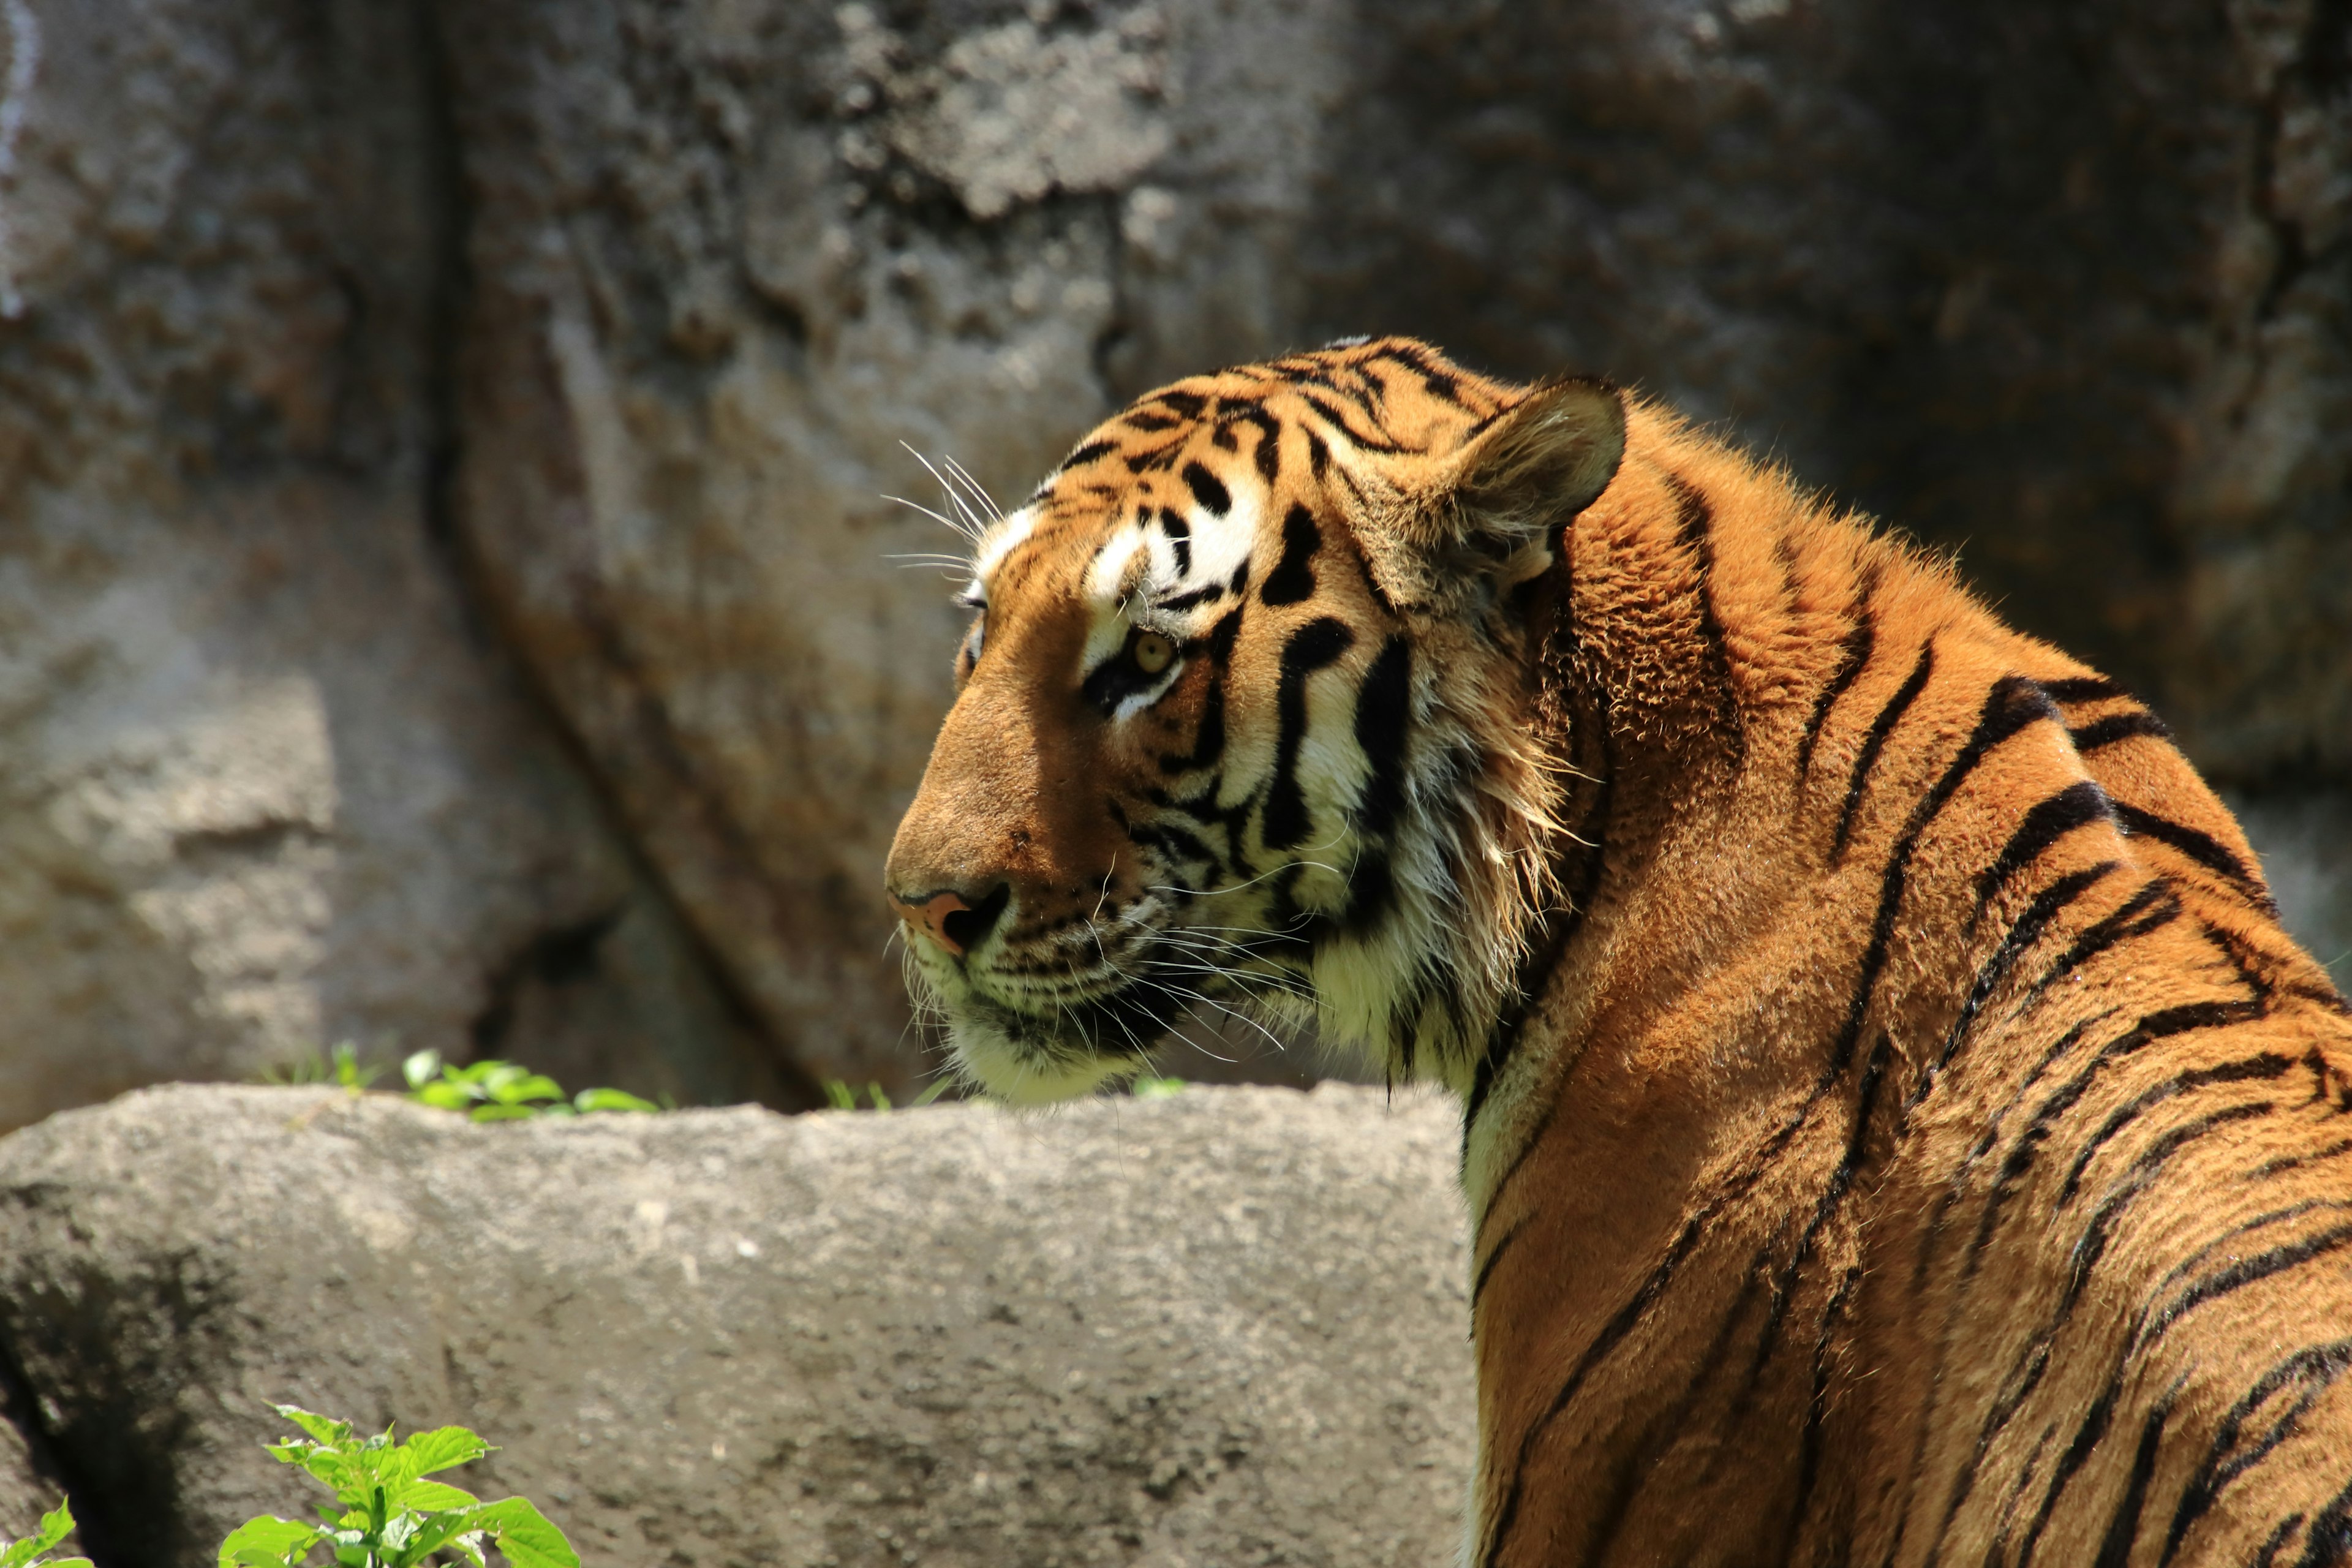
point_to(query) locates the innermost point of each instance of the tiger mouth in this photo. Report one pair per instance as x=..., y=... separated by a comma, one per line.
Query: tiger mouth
x=1126, y=1021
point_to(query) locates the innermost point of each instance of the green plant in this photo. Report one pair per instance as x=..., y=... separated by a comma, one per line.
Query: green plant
x=343, y=1069
x=56, y=1525
x=842, y=1097
x=388, y=1514
x=1157, y=1088
x=502, y=1092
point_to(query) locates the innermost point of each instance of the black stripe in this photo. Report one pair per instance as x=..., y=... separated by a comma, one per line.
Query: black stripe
x=1694, y=529
x=1826, y=1206
x=1293, y=577
x=2078, y=1452
x=2092, y=1245
x=2330, y=1540
x=1145, y=420
x=2310, y=1372
x=1268, y=453
x=2201, y=847
x=1179, y=845
x=2150, y=908
x=2258, y=1069
x=2082, y=689
x=2076, y=806
x=1207, y=490
x=2117, y=727
x=1384, y=713
x=1859, y=644
x=1615, y=1330
x=1190, y=404
x=1197, y=596
x=1810, y=1441
x=1434, y=381
x=2047, y=906
x=2012, y=704
x=1486, y=1269
x=2160, y=1025
x=2277, y=1538
x=1875, y=740
x=1179, y=540
x=1086, y=453
x=2242, y=1273
x=2123, y=1525
x=1318, y=455
x=1283, y=823
x=2270, y=1168
x=1338, y=422
x=1208, y=739
x=1371, y=888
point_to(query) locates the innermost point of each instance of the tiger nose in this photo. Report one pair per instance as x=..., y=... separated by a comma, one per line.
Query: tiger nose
x=944, y=917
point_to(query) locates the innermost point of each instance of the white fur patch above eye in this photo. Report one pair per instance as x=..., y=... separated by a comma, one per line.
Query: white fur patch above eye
x=1108, y=575
x=1219, y=545
x=999, y=541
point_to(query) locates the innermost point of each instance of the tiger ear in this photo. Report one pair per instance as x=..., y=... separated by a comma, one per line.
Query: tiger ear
x=1490, y=518
x=1540, y=464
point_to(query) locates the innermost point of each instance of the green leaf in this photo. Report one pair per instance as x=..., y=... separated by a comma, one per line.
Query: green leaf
x=524, y=1534
x=1158, y=1088
x=881, y=1101
x=841, y=1096
x=268, y=1543
x=610, y=1099
x=522, y=1087
x=430, y=1497
x=503, y=1112
x=932, y=1090
x=439, y=1449
x=56, y=1525
x=420, y=1067
x=320, y=1429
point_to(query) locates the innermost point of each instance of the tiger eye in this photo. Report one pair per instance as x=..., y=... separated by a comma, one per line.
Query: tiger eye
x=1153, y=653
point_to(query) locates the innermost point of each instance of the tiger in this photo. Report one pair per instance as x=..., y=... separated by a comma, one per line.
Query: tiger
x=1895, y=1127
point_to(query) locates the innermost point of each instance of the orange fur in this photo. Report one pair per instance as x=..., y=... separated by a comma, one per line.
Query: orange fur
x=1896, y=1129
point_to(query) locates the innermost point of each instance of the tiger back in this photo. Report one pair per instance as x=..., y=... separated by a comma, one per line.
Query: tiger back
x=1896, y=1129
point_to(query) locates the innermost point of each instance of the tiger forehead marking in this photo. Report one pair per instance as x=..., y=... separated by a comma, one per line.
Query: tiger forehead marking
x=1896, y=1129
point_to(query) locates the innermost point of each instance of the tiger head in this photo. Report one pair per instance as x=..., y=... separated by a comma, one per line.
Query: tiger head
x=1243, y=720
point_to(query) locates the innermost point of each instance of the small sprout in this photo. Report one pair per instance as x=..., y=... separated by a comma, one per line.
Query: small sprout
x=842, y=1097
x=1158, y=1088
x=30, y=1552
x=503, y=1091
x=342, y=1067
x=390, y=1516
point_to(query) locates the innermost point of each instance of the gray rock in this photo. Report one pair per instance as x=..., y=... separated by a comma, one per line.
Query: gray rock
x=265, y=783
x=1225, y=1327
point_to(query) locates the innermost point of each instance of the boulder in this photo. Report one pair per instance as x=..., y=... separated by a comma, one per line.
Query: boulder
x=1223, y=1327
x=265, y=782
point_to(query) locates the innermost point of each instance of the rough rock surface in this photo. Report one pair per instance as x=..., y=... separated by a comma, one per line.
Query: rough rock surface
x=1221, y=1328
x=263, y=785
x=2066, y=287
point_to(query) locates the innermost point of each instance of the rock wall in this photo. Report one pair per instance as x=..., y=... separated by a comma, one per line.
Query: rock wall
x=448, y=586
x=1226, y=1328
x=265, y=782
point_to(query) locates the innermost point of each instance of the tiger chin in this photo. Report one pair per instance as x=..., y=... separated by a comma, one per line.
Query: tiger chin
x=1896, y=1129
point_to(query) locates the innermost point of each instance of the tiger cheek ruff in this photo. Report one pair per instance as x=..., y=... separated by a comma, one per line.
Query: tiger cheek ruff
x=1896, y=1129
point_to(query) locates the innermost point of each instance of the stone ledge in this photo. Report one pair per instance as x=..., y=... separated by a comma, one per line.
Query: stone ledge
x=1225, y=1327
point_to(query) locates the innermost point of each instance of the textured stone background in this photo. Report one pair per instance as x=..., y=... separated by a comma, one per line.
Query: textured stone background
x=446, y=592
x=1222, y=1330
